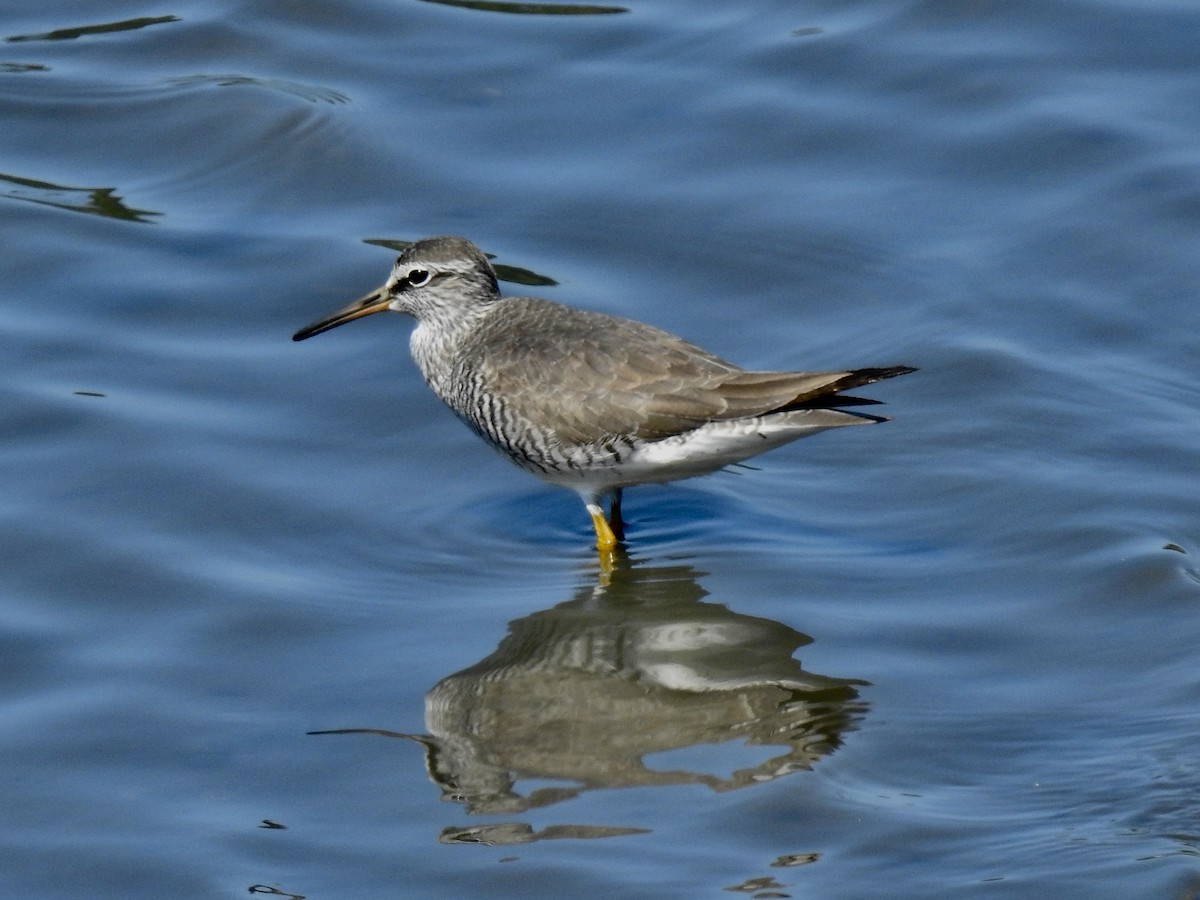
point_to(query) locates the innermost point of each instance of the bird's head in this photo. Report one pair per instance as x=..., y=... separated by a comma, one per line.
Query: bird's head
x=439, y=278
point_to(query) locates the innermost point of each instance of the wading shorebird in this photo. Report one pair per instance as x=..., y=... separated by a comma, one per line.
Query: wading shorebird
x=586, y=401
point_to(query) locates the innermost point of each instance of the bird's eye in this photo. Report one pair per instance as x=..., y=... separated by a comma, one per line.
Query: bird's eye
x=418, y=278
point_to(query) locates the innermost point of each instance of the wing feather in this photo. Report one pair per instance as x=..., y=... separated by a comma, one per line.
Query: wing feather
x=590, y=376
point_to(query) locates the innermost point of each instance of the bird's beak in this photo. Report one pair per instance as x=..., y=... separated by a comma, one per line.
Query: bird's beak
x=376, y=301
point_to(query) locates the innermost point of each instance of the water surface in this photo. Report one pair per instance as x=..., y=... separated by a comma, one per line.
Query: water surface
x=953, y=655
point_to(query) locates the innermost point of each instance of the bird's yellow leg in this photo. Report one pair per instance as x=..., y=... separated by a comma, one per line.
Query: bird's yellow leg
x=606, y=541
x=607, y=545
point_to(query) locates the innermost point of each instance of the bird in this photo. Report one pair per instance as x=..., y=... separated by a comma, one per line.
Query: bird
x=588, y=401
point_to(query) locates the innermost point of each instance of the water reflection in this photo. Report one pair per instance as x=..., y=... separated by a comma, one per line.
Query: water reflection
x=70, y=34
x=96, y=201
x=634, y=665
x=310, y=92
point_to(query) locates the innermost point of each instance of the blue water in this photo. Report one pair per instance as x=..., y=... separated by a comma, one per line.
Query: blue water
x=952, y=655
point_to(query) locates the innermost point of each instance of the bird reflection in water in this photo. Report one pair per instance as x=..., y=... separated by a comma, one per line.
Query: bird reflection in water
x=632, y=666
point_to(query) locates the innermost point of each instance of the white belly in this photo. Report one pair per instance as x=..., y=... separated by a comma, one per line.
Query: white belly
x=706, y=449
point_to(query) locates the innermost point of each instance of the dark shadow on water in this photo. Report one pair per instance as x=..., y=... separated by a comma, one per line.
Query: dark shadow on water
x=506, y=273
x=633, y=665
x=532, y=9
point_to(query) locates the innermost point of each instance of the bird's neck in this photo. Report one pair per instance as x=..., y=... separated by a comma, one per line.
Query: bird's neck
x=436, y=343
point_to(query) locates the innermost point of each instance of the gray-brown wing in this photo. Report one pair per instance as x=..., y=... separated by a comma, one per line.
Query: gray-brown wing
x=591, y=376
